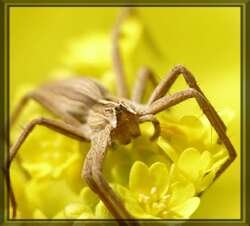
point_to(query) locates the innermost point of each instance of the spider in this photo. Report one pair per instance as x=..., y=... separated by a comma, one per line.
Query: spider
x=89, y=113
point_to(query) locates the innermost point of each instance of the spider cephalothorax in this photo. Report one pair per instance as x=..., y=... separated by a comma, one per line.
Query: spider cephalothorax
x=122, y=118
x=126, y=124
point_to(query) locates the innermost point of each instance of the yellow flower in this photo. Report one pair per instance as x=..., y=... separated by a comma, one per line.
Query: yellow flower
x=152, y=194
x=191, y=143
x=48, y=195
x=195, y=167
x=190, y=131
x=87, y=207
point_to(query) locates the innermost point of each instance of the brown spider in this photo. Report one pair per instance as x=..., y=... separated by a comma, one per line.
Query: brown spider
x=89, y=113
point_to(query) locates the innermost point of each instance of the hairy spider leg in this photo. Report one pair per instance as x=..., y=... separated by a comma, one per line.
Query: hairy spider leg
x=58, y=126
x=169, y=101
x=169, y=80
x=122, y=87
x=92, y=173
x=144, y=75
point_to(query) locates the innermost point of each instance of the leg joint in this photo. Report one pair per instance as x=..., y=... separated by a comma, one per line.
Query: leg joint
x=233, y=156
x=180, y=68
x=186, y=73
x=37, y=121
x=194, y=93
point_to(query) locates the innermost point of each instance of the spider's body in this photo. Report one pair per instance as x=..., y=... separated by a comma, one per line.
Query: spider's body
x=86, y=111
x=123, y=119
x=85, y=103
x=73, y=98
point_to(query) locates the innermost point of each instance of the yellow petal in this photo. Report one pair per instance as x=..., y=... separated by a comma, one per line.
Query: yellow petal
x=194, y=130
x=189, y=163
x=87, y=215
x=180, y=192
x=120, y=190
x=139, y=179
x=191, y=121
x=88, y=197
x=168, y=149
x=160, y=177
x=219, y=163
x=134, y=207
x=206, y=181
x=205, y=161
x=175, y=136
x=74, y=210
x=101, y=212
x=187, y=208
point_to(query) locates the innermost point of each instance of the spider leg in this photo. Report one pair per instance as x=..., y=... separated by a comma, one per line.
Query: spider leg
x=168, y=81
x=122, y=88
x=169, y=101
x=92, y=173
x=144, y=75
x=58, y=126
x=156, y=124
x=87, y=176
x=22, y=103
x=43, y=101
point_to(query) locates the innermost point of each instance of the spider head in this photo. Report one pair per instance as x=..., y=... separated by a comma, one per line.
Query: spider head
x=125, y=123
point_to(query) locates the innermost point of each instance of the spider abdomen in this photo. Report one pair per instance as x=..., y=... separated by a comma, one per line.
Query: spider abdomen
x=70, y=98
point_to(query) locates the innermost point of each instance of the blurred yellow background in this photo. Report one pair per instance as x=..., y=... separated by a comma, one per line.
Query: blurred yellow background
x=205, y=39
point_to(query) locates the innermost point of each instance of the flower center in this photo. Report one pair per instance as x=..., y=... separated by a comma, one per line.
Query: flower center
x=155, y=204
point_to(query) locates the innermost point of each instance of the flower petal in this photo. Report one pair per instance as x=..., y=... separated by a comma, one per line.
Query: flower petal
x=139, y=179
x=159, y=174
x=74, y=210
x=189, y=162
x=191, y=121
x=168, y=149
x=206, y=181
x=101, y=212
x=135, y=208
x=205, y=161
x=180, y=192
x=88, y=197
x=120, y=190
x=187, y=208
x=87, y=215
x=219, y=163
